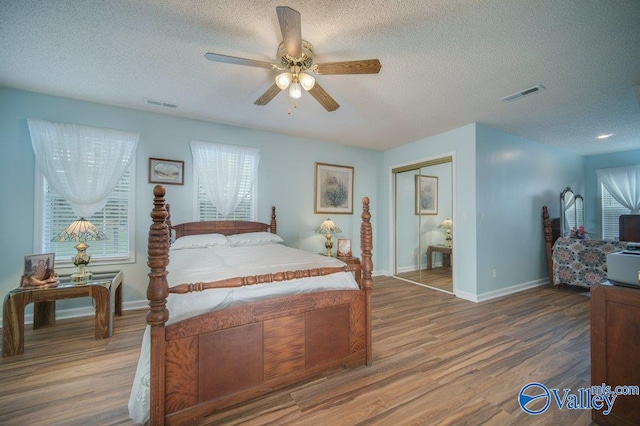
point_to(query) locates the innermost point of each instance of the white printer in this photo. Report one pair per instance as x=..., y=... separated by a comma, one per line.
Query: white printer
x=623, y=267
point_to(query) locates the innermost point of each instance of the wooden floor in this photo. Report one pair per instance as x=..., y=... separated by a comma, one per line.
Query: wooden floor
x=437, y=360
x=440, y=278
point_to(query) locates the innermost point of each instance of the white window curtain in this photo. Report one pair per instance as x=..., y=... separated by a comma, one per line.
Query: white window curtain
x=82, y=163
x=226, y=172
x=623, y=183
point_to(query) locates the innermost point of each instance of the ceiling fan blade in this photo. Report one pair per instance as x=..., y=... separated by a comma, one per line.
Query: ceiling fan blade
x=291, y=29
x=268, y=95
x=216, y=57
x=365, y=66
x=323, y=97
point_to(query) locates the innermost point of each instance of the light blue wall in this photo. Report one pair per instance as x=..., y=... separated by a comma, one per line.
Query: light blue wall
x=593, y=213
x=515, y=178
x=500, y=182
x=459, y=143
x=286, y=178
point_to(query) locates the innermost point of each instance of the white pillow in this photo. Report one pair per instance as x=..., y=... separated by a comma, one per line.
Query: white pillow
x=254, y=239
x=199, y=241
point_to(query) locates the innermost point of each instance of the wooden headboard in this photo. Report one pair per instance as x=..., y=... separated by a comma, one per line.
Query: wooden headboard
x=629, y=228
x=225, y=227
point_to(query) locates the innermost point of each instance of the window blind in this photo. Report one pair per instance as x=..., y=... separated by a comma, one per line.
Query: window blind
x=226, y=181
x=611, y=211
x=114, y=220
x=207, y=211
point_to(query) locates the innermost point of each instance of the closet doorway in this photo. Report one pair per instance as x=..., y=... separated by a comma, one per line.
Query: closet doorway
x=424, y=223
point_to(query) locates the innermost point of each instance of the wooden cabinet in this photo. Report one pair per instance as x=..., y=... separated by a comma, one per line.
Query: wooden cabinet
x=615, y=349
x=629, y=228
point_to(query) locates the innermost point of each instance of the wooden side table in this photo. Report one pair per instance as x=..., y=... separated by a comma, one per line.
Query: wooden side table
x=105, y=289
x=446, y=255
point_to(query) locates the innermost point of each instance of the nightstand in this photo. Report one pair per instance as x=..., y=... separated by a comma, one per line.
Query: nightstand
x=105, y=288
x=349, y=260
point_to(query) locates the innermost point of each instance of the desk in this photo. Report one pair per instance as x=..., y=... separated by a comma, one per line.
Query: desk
x=105, y=289
x=446, y=255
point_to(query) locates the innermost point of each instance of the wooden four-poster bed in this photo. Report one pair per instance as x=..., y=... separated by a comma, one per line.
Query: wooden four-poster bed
x=220, y=358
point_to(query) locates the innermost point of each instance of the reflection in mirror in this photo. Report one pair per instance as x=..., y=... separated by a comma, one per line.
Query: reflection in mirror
x=579, y=210
x=571, y=212
x=567, y=212
x=423, y=202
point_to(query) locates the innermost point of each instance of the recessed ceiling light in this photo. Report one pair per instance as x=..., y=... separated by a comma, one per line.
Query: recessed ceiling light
x=605, y=136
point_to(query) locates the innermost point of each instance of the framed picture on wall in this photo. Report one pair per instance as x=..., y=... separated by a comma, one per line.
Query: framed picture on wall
x=166, y=171
x=333, y=189
x=426, y=194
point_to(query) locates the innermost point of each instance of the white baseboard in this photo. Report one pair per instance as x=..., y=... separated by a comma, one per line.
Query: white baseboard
x=466, y=296
x=510, y=290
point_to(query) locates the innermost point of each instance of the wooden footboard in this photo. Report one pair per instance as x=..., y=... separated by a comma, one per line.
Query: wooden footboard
x=226, y=357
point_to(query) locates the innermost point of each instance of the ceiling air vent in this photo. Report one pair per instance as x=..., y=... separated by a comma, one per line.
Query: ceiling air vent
x=525, y=92
x=160, y=103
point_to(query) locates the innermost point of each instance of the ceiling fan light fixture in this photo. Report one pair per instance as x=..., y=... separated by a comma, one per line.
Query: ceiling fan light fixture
x=307, y=81
x=283, y=80
x=295, y=91
x=295, y=61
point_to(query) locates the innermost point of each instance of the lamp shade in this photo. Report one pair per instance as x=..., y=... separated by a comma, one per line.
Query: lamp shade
x=306, y=81
x=328, y=227
x=295, y=91
x=446, y=224
x=283, y=80
x=80, y=230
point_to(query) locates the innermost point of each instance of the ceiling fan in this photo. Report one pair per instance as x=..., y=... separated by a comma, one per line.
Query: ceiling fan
x=296, y=62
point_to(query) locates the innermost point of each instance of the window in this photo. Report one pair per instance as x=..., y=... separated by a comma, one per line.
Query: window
x=611, y=211
x=225, y=177
x=206, y=211
x=54, y=214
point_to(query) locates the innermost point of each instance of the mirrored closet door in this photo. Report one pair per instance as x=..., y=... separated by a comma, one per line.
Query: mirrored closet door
x=423, y=223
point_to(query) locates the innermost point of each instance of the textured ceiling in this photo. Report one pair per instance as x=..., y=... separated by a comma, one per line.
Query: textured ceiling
x=445, y=63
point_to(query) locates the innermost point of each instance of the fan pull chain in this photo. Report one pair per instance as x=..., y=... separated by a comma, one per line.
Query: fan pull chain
x=295, y=105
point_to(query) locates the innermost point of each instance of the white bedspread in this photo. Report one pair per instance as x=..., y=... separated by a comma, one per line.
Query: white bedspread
x=221, y=262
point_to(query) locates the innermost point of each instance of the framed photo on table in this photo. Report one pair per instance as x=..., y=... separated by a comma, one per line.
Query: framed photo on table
x=426, y=194
x=344, y=247
x=333, y=189
x=39, y=269
x=166, y=171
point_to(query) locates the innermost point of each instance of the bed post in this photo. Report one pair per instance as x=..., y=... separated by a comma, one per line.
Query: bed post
x=157, y=293
x=548, y=241
x=366, y=245
x=274, y=226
